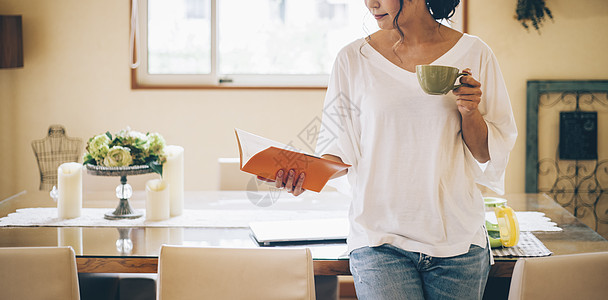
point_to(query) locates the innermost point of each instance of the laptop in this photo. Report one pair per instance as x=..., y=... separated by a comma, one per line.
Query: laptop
x=268, y=233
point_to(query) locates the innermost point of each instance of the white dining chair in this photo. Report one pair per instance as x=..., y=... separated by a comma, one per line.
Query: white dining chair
x=575, y=276
x=235, y=273
x=38, y=273
x=231, y=178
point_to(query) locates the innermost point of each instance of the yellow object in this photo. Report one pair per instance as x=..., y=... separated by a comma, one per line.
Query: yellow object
x=505, y=232
x=507, y=225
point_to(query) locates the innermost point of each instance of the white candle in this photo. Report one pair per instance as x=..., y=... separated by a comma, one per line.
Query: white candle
x=173, y=174
x=69, y=182
x=157, y=200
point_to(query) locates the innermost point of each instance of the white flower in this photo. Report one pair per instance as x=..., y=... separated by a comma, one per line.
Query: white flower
x=155, y=144
x=131, y=135
x=117, y=157
x=98, y=146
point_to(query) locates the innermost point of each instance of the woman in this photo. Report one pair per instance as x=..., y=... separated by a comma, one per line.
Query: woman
x=417, y=215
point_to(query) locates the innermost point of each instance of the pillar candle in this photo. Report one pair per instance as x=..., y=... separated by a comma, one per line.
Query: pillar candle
x=157, y=200
x=69, y=182
x=173, y=174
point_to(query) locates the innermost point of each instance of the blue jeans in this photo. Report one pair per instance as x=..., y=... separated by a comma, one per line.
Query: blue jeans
x=387, y=272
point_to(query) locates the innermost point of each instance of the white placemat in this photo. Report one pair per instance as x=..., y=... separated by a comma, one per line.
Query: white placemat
x=529, y=221
x=528, y=246
x=93, y=217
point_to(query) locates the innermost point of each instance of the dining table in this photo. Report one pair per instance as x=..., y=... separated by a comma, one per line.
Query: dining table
x=221, y=218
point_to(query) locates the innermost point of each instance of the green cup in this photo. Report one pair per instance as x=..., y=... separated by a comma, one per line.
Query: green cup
x=437, y=80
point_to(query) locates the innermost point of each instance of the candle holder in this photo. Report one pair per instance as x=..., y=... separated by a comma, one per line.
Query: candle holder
x=123, y=191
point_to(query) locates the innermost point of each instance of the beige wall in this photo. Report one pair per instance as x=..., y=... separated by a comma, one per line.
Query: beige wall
x=572, y=47
x=76, y=74
x=7, y=134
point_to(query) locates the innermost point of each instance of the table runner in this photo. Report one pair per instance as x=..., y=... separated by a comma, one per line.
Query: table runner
x=529, y=221
x=94, y=217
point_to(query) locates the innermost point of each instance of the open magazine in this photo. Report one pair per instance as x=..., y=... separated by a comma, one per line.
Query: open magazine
x=264, y=157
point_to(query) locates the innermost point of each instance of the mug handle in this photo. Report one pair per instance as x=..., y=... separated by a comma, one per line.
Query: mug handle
x=508, y=226
x=459, y=74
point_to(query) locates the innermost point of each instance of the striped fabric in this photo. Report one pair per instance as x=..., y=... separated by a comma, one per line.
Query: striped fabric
x=528, y=246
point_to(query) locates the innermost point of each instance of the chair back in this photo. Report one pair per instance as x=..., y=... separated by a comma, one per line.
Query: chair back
x=38, y=273
x=575, y=276
x=235, y=273
x=231, y=178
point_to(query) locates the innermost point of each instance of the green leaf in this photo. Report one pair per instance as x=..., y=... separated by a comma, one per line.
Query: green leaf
x=109, y=135
x=88, y=159
x=156, y=167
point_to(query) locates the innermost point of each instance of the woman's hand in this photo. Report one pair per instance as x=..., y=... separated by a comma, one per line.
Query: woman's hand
x=288, y=181
x=468, y=95
x=474, y=128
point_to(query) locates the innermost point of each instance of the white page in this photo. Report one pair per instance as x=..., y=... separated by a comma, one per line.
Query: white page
x=252, y=144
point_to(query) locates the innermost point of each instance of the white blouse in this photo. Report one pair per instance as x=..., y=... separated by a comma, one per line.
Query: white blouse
x=413, y=179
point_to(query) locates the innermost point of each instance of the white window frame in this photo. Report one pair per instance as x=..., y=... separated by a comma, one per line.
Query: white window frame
x=142, y=79
x=172, y=80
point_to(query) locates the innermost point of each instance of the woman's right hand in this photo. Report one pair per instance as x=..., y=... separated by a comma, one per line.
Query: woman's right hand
x=288, y=181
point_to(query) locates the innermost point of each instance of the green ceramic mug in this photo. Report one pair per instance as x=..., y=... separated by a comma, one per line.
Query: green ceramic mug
x=436, y=79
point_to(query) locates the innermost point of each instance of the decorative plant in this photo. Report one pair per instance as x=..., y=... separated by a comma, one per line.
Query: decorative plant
x=533, y=11
x=126, y=148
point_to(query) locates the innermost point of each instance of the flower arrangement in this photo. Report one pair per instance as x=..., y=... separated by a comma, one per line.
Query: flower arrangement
x=126, y=148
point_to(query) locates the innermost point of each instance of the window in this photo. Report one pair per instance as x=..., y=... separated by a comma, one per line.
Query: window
x=244, y=43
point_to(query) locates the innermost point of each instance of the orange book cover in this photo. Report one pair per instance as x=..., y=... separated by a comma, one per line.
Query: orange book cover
x=264, y=157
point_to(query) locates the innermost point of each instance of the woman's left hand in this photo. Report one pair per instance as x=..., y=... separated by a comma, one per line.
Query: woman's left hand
x=468, y=94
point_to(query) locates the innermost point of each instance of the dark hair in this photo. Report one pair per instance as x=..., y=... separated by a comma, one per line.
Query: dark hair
x=439, y=9
x=442, y=9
